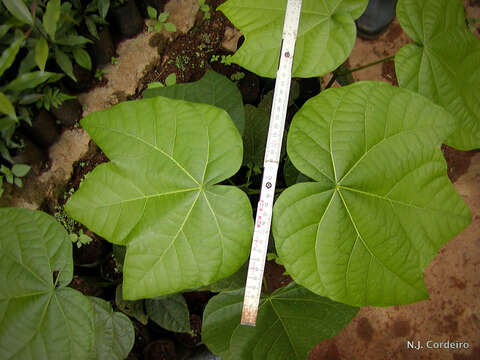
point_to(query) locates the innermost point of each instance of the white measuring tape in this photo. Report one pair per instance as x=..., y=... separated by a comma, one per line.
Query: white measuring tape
x=278, y=114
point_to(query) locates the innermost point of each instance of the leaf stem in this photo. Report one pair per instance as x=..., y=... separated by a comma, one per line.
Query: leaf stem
x=265, y=285
x=335, y=75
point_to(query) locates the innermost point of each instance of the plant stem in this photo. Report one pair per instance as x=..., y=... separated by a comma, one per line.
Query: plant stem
x=368, y=65
x=335, y=76
x=265, y=285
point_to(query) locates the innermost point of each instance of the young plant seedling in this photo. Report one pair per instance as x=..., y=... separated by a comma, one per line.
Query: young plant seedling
x=80, y=239
x=99, y=73
x=204, y=8
x=158, y=22
x=13, y=175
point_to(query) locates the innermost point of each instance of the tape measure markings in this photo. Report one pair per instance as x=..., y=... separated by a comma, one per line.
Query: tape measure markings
x=278, y=114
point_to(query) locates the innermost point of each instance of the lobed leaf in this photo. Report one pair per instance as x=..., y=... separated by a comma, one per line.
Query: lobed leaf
x=381, y=205
x=443, y=63
x=39, y=316
x=326, y=34
x=212, y=89
x=290, y=322
x=158, y=195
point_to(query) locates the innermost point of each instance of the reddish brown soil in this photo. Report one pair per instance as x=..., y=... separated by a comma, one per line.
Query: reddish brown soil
x=457, y=161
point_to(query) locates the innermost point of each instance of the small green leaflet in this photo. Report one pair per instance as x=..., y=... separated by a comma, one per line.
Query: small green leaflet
x=170, y=312
x=291, y=321
x=381, y=205
x=158, y=195
x=19, y=10
x=213, y=89
x=51, y=17
x=8, y=56
x=114, y=332
x=65, y=63
x=6, y=107
x=40, y=316
x=326, y=34
x=20, y=170
x=443, y=63
x=255, y=137
x=82, y=58
x=41, y=53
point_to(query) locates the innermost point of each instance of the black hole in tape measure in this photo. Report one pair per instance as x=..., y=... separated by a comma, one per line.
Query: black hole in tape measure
x=268, y=185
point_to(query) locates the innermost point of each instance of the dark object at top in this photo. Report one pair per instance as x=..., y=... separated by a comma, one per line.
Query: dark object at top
x=376, y=18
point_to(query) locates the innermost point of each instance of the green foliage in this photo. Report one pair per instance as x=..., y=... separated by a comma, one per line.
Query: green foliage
x=114, y=332
x=131, y=308
x=99, y=73
x=381, y=205
x=213, y=89
x=159, y=21
x=181, y=230
x=205, y=9
x=47, y=34
x=95, y=14
x=443, y=63
x=52, y=98
x=325, y=36
x=170, y=312
x=290, y=322
x=171, y=79
x=19, y=10
x=80, y=239
x=40, y=314
x=13, y=175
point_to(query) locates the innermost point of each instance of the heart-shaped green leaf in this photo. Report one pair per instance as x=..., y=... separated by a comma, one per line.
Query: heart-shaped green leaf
x=290, y=322
x=39, y=316
x=212, y=89
x=382, y=204
x=443, y=64
x=170, y=312
x=114, y=333
x=326, y=34
x=158, y=194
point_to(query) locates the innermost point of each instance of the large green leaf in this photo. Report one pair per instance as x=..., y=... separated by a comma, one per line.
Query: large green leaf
x=443, y=63
x=381, y=205
x=326, y=34
x=114, y=332
x=212, y=89
x=19, y=10
x=8, y=56
x=158, y=195
x=51, y=17
x=40, y=318
x=170, y=312
x=291, y=321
